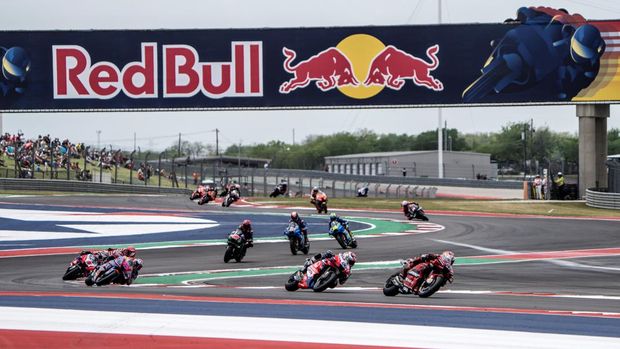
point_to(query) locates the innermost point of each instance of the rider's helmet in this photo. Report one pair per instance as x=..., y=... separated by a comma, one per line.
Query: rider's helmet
x=350, y=257
x=587, y=45
x=560, y=174
x=294, y=215
x=447, y=258
x=315, y=189
x=15, y=64
x=404, y=203
x=246, y=223
x=130, y=251
x=332, y=216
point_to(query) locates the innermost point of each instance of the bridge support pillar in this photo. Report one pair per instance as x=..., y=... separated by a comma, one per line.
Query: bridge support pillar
x=592, y=146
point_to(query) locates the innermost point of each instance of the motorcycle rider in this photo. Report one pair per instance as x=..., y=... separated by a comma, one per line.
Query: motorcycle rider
x=343, y=262
x=334, y=217
x=302, y=225
x=123, y=263
x=415, y=268
x=248, y=233
x=409, y=207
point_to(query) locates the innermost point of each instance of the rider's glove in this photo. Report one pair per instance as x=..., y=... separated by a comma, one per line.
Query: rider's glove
x=328, y=254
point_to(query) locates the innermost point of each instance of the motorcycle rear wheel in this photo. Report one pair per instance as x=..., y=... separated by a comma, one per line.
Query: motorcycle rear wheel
x=427, y=290
x=323, y=282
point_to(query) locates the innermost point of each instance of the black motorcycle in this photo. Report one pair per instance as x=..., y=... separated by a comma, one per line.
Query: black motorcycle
x=279, y=189
x=236, y=246
x=232, y=196
x=416, y=213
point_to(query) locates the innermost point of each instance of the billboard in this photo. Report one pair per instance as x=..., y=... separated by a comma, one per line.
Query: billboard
x=544, y=56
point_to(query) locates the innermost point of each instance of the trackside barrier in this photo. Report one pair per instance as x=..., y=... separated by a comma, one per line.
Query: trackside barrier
x=35, y=185
x=600, y=198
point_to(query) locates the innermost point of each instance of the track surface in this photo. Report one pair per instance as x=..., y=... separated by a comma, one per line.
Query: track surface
x=521, y=286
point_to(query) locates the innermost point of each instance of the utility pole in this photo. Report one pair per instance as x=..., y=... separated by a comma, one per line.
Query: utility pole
x=134, y=141
x=217, y=142
x=439, y=117
x=98, y=139
x=179, y=144
x=293, y=136
x=524, y=140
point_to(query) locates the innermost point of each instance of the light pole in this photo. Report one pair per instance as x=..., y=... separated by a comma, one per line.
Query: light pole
x=98, y=139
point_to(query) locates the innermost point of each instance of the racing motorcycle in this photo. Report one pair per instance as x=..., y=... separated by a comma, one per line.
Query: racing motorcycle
x=296, y=239
x=232, y=196
x=198, y=193
x=326, y=278
x=236, y=246
x=320, y=203
x=340, y=233
x=435, y=277
x=416, y=213
x=104, y=278
x=81, y=266
x=279, y=189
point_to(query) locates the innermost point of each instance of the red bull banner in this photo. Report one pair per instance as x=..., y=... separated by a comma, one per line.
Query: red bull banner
x=542, y=56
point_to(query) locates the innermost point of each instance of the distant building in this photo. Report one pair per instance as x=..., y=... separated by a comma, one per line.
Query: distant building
x=414, y=164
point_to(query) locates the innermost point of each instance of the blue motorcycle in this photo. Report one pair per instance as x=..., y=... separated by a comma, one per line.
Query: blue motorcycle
x=341, y=234
x=296, y=239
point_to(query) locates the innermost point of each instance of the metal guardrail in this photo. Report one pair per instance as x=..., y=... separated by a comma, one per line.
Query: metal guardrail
x=422, y=181
x=600, y=198
x=35, y=185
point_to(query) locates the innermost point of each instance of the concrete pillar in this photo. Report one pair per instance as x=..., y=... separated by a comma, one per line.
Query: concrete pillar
x=592, y=145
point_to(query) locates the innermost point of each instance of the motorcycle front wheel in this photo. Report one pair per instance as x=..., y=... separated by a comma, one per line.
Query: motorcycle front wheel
x=72, y=273
x=292, y=284
x=340, y=240
x=390, y=289
x=293, y=242
x=228, y=255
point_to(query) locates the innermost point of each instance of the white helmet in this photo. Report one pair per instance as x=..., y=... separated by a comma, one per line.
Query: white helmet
x=404, y=203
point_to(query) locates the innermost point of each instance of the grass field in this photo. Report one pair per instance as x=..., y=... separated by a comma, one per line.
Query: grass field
x=542, y=208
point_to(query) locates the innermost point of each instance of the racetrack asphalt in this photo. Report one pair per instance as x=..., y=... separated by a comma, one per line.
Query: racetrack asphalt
x=587, y=282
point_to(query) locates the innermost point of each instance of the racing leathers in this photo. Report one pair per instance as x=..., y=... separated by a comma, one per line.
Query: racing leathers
x=315, y=265
x=248, y=234
x=414, y=269
x=303, y=226
x=123, y=264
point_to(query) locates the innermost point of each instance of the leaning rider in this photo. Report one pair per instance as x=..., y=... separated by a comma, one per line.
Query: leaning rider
x=409, y=207
x=412, y=278
x=334, y=217
x=343, y=262
x=248, y=233
x=302, y=225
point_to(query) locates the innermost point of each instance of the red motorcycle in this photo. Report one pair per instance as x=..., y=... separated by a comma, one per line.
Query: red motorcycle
x=81, y=266
x=435, y=276
x=320, y=202
x=325, y=275
x=198, y=193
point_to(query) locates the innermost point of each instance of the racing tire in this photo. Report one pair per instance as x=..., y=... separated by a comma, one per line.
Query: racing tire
x=340, y=240
x=89, y=281
x=107, y=279
x=323, y=282
x=292, y=284
x=239, y=256
x=293, y=245
x=305, y=249
x=72, y=273
x=389, y=289
x=228, y=255
x=353, y=244
x=427, y=290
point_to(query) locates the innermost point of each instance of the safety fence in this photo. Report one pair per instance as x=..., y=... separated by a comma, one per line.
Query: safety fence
x=33, y=186
x=601, y=198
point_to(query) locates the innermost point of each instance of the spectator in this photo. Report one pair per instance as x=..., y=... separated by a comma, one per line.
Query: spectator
x=404, y=172
x=559, y=182
x=537, y=186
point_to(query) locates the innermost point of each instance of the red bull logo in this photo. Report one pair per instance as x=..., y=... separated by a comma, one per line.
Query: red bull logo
x=362, y=57
x=184, y=74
